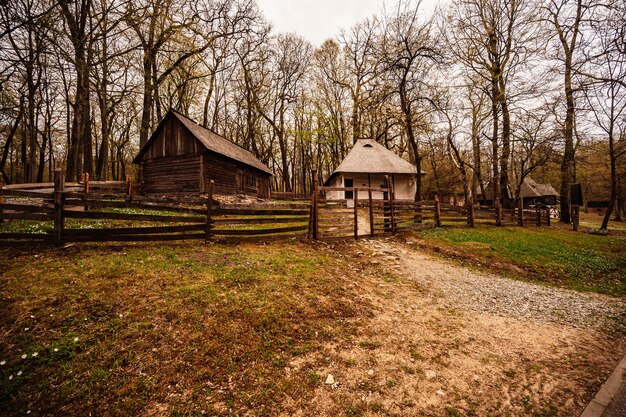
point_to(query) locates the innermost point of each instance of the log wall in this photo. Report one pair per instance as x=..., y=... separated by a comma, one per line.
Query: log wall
x=172, y=175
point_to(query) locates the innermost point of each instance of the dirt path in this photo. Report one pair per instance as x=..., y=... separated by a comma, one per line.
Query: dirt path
x=447, y=341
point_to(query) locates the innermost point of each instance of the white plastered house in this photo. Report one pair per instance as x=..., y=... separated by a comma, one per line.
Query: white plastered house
x=367, y=165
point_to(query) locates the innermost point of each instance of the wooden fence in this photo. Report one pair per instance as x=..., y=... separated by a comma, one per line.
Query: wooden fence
x=110, y=211
x=161, y=218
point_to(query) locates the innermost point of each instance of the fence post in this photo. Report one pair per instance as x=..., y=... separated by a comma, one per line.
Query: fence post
x=129, y=187
x=498, y=209
x=538, y=208
x=1, y=196
x=209, y=210
x=369, y=195
x=356, y=213
x=575, y=217
x=548, y=216
x=470, y=212
x=520, y=203
x=59, y=188
x=315, y=206
x=437, y=211
x=85, y=188
x=392, y=195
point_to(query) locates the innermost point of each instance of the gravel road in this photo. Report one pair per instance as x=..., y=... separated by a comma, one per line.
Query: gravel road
x=487, y=292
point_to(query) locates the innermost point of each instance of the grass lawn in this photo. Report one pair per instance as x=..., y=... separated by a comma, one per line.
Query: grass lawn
x=578, y=261
x=106, y=329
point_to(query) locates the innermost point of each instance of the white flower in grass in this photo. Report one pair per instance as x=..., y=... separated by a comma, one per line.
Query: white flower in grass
x=10, y=377
x=19, y=373
x=35, y=354
x=26, y=329
x=24, y=356
x=3, y=363
x=76, y=339
x=56, y=349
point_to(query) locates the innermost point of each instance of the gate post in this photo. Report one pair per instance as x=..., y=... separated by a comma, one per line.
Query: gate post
x=59, y=188
x=521, y=211
x=547, y=215
x=392, y=195
x=356, y=213
x=369, y=195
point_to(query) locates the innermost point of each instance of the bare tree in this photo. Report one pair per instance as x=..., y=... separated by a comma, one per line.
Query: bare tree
x=408, y=55
x=566, y=17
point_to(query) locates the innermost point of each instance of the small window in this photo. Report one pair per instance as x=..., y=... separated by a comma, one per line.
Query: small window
x=367, y=145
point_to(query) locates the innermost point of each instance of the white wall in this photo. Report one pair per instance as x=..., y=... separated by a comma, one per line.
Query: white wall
x=404, y=186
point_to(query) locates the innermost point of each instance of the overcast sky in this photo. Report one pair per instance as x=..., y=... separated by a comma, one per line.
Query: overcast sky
x=318, y=20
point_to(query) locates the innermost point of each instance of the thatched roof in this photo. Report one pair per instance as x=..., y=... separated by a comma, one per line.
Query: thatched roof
x=369, y=156
x=212, y=142
x=532, y=189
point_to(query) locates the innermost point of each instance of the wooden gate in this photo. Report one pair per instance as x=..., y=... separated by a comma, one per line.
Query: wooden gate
x=340, y=212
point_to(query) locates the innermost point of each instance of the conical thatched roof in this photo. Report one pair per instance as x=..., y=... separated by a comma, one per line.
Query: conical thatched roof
x=369, y=156
x=531, y=189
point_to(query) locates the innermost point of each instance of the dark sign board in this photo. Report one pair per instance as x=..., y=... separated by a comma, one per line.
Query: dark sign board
x=576, y=195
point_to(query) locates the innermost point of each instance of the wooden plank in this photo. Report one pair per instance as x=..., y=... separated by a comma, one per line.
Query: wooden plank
x=259, y=212
x=24, y=193
x=134, y=238
x=252, y=232
x=26, y=216
x=26, y=208
x=135, y=230
x=24, y=236
x=132, y=204
x=300, y=219
x=128, y=216
x=31, y=186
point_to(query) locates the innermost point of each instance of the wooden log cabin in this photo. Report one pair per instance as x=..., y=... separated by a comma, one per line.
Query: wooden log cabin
x=181, y=157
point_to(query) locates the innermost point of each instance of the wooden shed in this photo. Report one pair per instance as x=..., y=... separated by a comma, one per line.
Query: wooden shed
x=534, y=193
x=181, y=157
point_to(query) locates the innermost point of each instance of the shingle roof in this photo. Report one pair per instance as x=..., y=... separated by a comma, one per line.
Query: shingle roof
x=215, y=143
x=531, y=188
x=367, y=155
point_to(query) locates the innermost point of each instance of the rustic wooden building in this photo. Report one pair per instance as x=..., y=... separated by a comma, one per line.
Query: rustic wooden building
x=534, y=193
x=181, y=157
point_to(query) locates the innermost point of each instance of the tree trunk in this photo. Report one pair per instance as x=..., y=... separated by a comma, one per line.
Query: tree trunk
x=506, y=147
x=612, y=158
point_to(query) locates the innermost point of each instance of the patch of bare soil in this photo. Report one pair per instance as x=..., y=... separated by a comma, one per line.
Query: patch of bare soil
x=447, y=341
